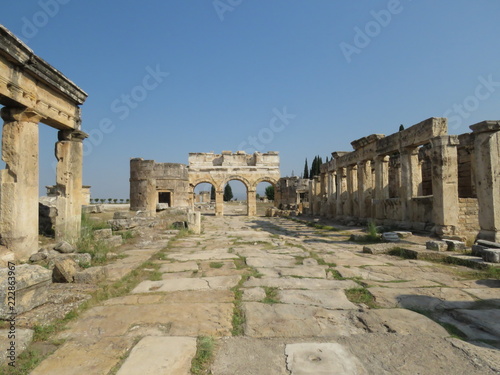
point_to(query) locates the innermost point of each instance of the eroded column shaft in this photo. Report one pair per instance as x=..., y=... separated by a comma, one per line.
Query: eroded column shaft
x=19, y=182
x=445, y=184
x=69, y=154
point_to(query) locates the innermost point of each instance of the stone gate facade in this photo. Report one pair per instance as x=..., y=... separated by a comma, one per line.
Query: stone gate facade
x=154, y=183
x=34, y=92
x=419, y=178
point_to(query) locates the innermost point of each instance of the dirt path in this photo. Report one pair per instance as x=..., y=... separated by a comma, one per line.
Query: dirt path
x=284, y=298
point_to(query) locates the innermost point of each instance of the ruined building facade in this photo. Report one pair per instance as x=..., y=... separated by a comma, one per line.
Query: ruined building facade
x=33, y=92
x=153, y=184
x=420, y=178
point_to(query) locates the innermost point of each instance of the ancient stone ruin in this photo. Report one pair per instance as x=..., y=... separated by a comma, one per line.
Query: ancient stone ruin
x=419, y=178
x=153, y=184
x=34, y=92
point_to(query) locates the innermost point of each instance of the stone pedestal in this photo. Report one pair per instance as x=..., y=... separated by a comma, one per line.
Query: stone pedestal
x=445, y=185
x=194, y=221
x=69, y=154
x=487, y=152
x=19, y=182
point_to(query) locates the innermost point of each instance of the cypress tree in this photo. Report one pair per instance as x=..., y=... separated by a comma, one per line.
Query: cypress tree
x=306, y=171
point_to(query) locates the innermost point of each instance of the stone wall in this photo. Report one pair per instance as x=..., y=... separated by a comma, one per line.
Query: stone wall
x=468, y=218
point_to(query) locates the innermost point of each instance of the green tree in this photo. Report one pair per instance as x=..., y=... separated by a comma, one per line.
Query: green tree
x=212, y=193
x=122, y=200
x=115, y=201
x=270, y=192
x=127, y=200
x=102, y=200
x=306, y=171
x=228, y=193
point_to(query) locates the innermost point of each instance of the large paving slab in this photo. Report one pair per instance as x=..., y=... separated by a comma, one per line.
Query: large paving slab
x=283, y=320
x=179, y=267
x=294, y=283
x=189, y=283
x=322, y=359
x=250, y=356
x=334, y=299
x=422, y=298
x=159, y=355
x=202, y=255
x=80, y=358
x=304, y=271
x=271, y=261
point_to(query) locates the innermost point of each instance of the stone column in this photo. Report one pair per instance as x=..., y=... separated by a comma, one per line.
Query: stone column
x=487, y=157
x=69, y=154
x=381, y=184
x=445, y=184
x=364, y=188
x=341, y=190
x=252, y=202
x=219, y=202
x=352, y=187
x=411, y=180
x=19, y=182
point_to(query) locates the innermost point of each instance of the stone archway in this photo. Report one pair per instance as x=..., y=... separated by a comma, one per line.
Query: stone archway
x=250, y=169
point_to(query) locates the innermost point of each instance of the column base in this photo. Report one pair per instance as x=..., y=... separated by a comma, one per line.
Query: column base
x=489, y=235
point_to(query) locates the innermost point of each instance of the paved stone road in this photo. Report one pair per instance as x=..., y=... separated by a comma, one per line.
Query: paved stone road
x=298, y=319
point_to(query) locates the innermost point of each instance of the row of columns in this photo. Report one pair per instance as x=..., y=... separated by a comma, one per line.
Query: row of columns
x=19, y=182
x=357, y=193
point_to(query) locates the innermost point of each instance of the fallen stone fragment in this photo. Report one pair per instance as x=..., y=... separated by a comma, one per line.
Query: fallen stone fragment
x=91, y=275
x=64, y=247
x=491, y=255
x=390, y=237
x=64, y=270
x=455, y=245
x=101, y=234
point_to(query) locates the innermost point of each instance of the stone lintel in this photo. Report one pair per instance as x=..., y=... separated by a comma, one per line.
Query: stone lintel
x=415, y=135
x=20, y=54
x=362, y=142
x=28, y=81
x=486, y=126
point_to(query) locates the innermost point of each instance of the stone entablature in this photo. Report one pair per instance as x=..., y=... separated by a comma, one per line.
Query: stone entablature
x=420, y=178
x=148, y=178
x=34, y=92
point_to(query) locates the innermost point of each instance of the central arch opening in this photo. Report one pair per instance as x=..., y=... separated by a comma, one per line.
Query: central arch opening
x=235, y=198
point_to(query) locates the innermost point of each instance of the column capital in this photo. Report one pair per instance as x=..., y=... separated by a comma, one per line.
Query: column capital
x=10, y=114
x=382, y=158
x=486, y=127
x=71, y=135
x=445, y=140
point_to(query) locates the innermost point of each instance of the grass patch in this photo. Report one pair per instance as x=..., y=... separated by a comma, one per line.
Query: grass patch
x=216, y=264
x=25, y=363
x=240, y=263
x=238, y=319
x=360, y=295
x=335, y=274
x=204, y=355
x=271, y=295
x=320, y=260
x=127, y=235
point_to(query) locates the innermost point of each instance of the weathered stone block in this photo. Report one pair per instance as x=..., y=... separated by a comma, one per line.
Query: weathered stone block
x=92, y=209
x=64, y=247
x=380, y=248
x=31, y=287
x=113, y=241
x=390, y=237
x=37, y=257
x=64, y=270
x=477, y=250
x=91, y=275
x=404, y=234
x=491, y=255
x=489, y=244
x=82, y=259
x=123, y=215
x=436, y=245
x=103, y=233
x=456, y=245
x=23, y=339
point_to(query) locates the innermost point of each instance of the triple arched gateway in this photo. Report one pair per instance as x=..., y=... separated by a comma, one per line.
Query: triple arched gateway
x=153, y=184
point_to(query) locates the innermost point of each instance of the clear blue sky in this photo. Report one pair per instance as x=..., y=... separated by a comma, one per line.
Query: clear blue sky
x=334, y=71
